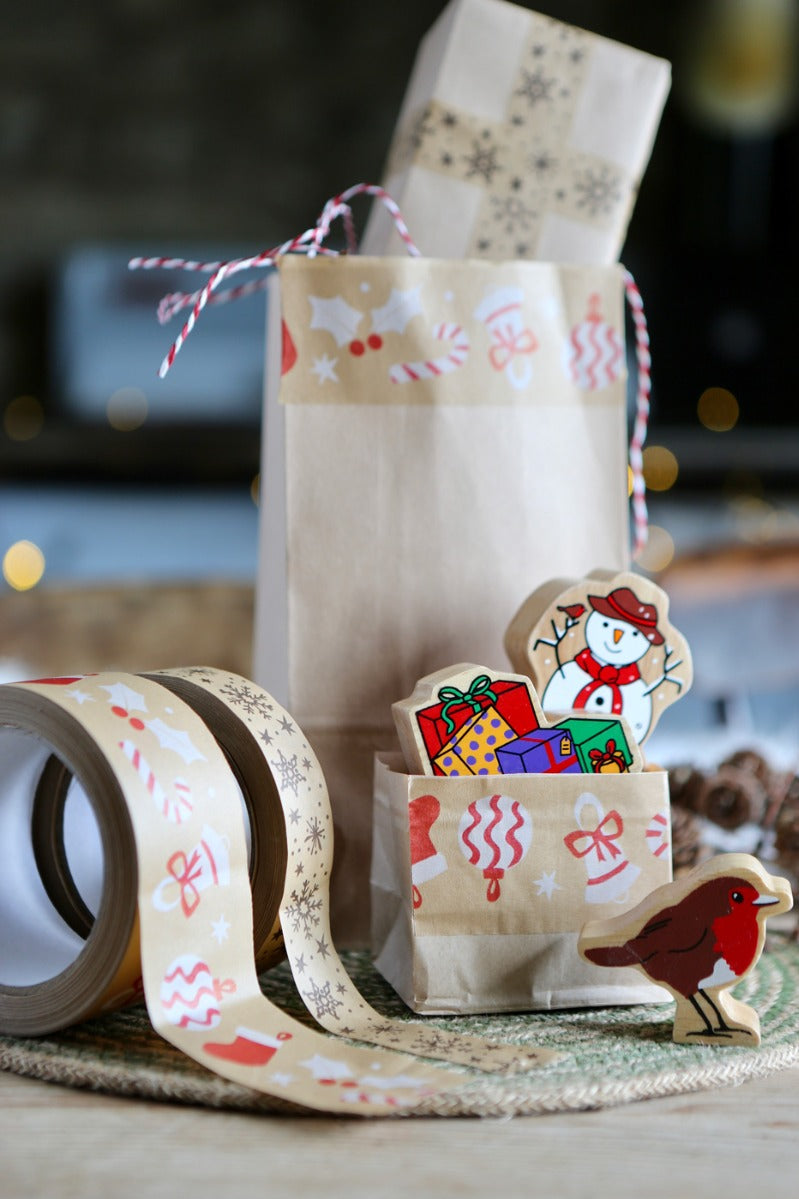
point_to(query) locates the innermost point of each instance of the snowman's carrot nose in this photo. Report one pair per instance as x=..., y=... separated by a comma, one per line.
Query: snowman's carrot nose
x=617, y=635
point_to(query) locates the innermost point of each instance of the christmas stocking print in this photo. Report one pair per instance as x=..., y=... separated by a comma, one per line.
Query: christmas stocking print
x=426, y=862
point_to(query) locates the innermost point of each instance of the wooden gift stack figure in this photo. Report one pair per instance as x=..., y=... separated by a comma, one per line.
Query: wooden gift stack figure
x=603, y=645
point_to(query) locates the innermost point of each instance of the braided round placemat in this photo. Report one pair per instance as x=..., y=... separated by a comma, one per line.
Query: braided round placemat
x=609, y=1055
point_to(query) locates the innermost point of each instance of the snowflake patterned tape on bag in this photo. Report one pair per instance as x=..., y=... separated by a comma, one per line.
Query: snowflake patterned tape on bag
x=311, y=242
x=176, y=917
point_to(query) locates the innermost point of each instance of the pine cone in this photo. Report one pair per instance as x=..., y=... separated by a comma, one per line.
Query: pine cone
x=687, y=848
x=732, y=797
x=685, y=786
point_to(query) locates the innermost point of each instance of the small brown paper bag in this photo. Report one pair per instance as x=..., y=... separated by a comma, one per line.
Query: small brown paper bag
x=520, y=137
x=444, y=436
x=480, y=885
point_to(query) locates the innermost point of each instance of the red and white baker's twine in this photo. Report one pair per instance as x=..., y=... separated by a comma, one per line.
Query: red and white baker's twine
x=644, y=363
x=311, y=243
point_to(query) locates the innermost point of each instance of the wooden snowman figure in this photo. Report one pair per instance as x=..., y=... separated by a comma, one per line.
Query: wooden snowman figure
x=604, y=677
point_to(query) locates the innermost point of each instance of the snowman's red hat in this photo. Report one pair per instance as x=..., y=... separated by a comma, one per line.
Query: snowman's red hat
x=624, y=604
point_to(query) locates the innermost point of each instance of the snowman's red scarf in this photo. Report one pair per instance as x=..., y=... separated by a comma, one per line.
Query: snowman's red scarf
x=605, y=675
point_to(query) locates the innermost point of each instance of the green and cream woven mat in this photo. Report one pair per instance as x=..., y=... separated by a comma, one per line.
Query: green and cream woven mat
x=609, y=1056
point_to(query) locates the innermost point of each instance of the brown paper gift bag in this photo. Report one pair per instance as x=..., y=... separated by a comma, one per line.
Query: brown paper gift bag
x=439, y=437
x=478, y=896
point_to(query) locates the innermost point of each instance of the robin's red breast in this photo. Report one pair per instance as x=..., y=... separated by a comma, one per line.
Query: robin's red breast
x=703, y=936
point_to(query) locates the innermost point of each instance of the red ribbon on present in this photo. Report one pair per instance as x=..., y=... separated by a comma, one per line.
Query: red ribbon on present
x=184, y=871
x=508, y=345
x=604, y=837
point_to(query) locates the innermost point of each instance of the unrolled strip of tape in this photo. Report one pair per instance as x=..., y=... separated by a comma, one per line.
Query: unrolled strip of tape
x=164, y=762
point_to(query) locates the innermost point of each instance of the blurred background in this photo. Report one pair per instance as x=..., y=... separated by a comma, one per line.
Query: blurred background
x=136, y=128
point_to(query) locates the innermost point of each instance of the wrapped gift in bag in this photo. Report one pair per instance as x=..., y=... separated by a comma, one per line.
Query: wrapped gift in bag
x=520, y=137
x=480, y=886
x=437, y=436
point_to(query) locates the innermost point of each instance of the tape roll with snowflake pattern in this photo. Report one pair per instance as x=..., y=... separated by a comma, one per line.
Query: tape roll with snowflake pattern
x=155, y=774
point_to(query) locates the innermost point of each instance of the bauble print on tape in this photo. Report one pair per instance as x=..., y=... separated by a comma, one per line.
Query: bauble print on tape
x=190, y=994
x=494, y=834
x=594, y=354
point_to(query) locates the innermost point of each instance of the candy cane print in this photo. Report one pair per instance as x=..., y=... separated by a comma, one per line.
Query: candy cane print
x=174, y=808
x=431, y=368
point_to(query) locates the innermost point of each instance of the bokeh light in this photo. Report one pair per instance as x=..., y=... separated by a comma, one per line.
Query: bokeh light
x=718, y=409
x=658, y=552
x=126, y=409
x=23, y=418
x=23, y=565
x=660, y=468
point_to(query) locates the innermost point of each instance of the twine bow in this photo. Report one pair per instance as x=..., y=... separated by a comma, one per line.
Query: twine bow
x=477, y=693
x=599, y=840
x=508, y=345
x=184, y=871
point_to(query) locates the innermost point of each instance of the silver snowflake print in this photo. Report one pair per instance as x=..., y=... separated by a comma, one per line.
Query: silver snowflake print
x=512, y=213
x=323, y=1000
x=482, y=161
x=419, y=130
x=314, y=835
x=303, y=911
x=386, y=1032
x=242, y=695
x=290, y=774
x=597, y=190
x=543, y=162
x=535, y=87
x=429, y=1042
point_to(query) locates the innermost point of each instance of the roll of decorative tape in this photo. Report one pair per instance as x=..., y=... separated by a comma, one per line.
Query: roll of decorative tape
x=166, y=765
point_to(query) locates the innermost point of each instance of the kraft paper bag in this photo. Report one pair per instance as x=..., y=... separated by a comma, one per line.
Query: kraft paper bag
x=478, y=897
x=520, y=137
x=440, y=437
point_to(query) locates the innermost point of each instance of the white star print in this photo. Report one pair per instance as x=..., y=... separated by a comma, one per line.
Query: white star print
x=325, y=369
x=546, y=884
x=81, y=697
x=220, y=929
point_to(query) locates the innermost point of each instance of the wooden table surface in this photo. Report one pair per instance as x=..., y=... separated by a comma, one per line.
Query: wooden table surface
x=734, y=1142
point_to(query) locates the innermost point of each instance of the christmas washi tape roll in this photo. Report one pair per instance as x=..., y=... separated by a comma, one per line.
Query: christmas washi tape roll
x=166, y=822
x=276, y=761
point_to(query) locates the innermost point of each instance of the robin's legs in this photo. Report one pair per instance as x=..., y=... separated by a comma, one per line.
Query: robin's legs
x=722, y=1027
x=708, y=1030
